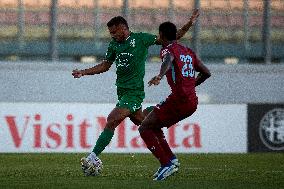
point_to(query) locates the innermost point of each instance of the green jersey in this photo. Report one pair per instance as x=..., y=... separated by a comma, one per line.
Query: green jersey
x=130, y=58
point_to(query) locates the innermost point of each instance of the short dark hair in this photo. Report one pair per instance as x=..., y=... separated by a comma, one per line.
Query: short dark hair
x=115, y=21
x=169, y=30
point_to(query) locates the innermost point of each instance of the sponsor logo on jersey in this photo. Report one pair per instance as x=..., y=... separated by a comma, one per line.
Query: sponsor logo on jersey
x=165, y=51
x=122, y=60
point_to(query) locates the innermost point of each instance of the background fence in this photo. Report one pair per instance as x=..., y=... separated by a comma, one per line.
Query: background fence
x=69, y=29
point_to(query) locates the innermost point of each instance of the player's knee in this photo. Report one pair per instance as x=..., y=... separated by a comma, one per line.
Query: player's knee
x=110, y=127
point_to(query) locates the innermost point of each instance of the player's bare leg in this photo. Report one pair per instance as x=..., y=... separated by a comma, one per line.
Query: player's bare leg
x=161, y=137
x=90, y=163
x=149, y=124
x=137, y=117
x=116, y=116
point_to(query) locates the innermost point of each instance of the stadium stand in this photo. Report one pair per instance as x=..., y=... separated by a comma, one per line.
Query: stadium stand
x=221, y=23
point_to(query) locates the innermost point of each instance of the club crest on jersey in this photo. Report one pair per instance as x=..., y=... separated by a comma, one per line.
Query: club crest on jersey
x=132, y=42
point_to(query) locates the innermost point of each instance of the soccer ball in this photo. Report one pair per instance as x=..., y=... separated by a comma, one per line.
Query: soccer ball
x=99, y=166
x=92, y=168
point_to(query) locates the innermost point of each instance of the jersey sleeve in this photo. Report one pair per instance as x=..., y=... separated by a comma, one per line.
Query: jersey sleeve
x=148, y=39
x=110, y=54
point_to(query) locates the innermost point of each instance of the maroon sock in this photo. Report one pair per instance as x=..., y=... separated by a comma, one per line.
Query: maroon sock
x=163, y=142
x=154, y=146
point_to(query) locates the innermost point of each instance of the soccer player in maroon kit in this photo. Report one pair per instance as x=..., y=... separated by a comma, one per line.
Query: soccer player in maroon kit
x=179, y=64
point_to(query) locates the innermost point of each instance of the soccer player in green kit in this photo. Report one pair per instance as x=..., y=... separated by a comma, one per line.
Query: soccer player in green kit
x=129, y=51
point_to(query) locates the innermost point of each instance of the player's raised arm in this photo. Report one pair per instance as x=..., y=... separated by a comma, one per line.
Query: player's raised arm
x=100, y=68
x=181, y=32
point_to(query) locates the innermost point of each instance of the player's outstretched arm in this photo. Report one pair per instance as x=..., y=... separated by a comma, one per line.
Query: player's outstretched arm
x=204, y=73
x=100, y=68
x=181, y=32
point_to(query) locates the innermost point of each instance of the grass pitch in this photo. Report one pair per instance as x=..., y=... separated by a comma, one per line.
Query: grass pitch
x=260, y=170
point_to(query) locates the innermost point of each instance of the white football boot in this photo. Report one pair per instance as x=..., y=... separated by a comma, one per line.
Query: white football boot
x=166, y=171
x=174, y=161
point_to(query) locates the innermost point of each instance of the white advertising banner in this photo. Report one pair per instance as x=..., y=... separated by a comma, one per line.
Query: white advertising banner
x=75, y=127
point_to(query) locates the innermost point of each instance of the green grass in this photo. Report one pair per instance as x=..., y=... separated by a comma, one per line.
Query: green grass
x=135, y=171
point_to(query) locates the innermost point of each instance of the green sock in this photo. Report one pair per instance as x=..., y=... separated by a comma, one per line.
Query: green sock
x=103, y=140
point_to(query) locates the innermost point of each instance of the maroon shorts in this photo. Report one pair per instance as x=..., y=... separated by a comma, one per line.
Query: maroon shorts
x=175, y=109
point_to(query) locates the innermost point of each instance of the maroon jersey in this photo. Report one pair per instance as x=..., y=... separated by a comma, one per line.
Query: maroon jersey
x=181, y=76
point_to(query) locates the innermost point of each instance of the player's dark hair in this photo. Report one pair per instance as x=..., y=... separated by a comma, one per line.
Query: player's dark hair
x=115, y=21
x=169, y=30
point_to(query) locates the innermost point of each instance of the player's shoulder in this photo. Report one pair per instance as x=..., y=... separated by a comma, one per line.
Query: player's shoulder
x=178, y=44
x=112, y=43
x=169, y=48
x=139, y=33
x=142, y=34
x=136, y=34
x=189, y=50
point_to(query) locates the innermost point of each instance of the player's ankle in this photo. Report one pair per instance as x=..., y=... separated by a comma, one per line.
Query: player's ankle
x=92, y=156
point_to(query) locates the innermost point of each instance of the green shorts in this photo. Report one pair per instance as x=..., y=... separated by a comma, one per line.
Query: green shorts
x=130, y=99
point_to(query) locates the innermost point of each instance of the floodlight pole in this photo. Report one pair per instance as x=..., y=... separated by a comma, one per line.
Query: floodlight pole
x=196, y=30
x=125, y=10
x=21, y=27
x=266, y=31
x=96, y=18
x=171, y=11
x=53, y=31
x=246, y=28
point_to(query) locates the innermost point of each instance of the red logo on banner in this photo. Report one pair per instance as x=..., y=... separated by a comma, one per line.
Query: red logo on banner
x=55, y=134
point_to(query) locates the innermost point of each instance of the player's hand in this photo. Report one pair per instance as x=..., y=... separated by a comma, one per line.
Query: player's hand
x=155, y=80
x=77, y=73
x=194, y=16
